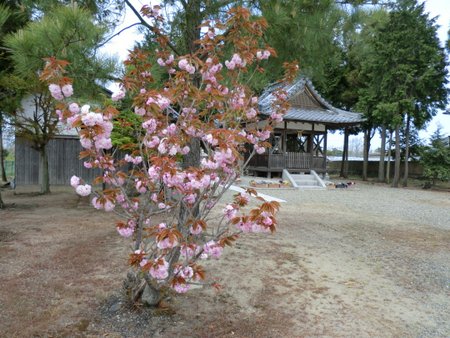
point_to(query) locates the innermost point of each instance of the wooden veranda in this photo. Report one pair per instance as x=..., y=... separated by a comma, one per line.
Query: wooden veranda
x=299, y=143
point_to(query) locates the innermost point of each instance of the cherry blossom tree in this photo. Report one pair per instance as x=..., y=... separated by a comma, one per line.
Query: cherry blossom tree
x=204, y=98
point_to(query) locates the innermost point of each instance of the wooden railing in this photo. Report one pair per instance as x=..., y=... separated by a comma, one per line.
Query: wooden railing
x=288, y=160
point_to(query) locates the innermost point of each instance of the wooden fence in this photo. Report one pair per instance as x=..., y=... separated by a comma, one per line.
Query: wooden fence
x=63, y=162
x=415, y=169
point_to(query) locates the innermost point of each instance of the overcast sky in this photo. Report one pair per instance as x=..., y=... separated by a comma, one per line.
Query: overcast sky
x=437, y=8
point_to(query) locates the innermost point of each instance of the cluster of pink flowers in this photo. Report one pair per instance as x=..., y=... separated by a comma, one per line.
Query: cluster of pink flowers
x=235, y=62
x=189, y=251
x=91, y=119
x=167, y=243
x=209, y=75
x=212, y=249
x=184, y=271
x=159, y=269
x=276, y=117
x=181, y=287
x=133, y=159
x=184, y=64
x=230, y=211
x=59, y=93
x=161, y=101
x=128, y=230
x=167, y=62
x=81, y=189
x=118, y=95
x=107, y=205
x=250, y=226
x=262, y=55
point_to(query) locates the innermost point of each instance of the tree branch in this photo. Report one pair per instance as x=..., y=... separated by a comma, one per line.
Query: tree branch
x=118, y=33
x=150, y=27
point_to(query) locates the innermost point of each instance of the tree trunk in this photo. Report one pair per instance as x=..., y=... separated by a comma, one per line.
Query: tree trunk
x=150, y=296
x=389, y=156
x=44, y=179
x=192, y=25
x=382, y=152
x=2, y=205
x=396, y=178
x=140, y=288
x=344, y=163
x=407, y=132
x=366, y=153
x=2, y=157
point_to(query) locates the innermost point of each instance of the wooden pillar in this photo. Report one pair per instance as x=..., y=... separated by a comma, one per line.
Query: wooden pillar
x=311, y=148
x=344, y=163
x=325, y=150
x=285, y=144
x=284, y=138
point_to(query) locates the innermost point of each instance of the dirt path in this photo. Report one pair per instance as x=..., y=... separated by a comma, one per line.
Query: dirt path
x=334, y=268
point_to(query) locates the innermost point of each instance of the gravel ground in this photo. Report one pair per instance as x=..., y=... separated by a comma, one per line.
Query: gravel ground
x=426, y=207
x=399, y=238
x=367, y=261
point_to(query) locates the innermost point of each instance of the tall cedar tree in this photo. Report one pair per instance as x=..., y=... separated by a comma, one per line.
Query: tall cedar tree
x=410, y=66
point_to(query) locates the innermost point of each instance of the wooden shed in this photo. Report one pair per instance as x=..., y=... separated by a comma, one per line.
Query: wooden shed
x=299, y=143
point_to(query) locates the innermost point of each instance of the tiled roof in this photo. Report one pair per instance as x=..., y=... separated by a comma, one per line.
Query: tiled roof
x=301, y=93
x=321, y=115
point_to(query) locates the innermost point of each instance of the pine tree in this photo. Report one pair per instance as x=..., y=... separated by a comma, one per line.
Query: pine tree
x=65, y=33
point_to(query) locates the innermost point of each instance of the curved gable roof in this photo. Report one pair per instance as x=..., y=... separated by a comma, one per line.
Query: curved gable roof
x=307, y=105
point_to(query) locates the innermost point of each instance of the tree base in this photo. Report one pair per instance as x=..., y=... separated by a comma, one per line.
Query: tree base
x=138, y=290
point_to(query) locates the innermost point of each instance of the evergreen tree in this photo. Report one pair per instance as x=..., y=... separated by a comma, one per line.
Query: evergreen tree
x=65, y=33
x=410, y=67
x=13, y=17
x=436, y=158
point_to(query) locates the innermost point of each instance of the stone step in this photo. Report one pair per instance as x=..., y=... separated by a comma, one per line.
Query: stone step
x=304, y=181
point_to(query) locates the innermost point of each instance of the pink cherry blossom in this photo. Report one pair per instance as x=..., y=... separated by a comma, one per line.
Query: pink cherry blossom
x=166, y=243
x=118, y=95
x=213, y=249
x=74, y=108
x=140, y=111
x=259, y=150
x=251, y=113
x=190, y=69
x=75, y=181
x=125, y=232
x=161, y=62
x=195, y=231
x=160, y=269
x=230, y=65
x=263, y=55
x=181, y=288
x=55, y=91
x=67, y=90
x=85, y=109
x=83, y=190
x=182, y=64
x=230, y=211
x=188, y=251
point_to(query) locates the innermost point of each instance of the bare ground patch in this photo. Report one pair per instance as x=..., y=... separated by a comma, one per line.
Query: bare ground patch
x=332, y=269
